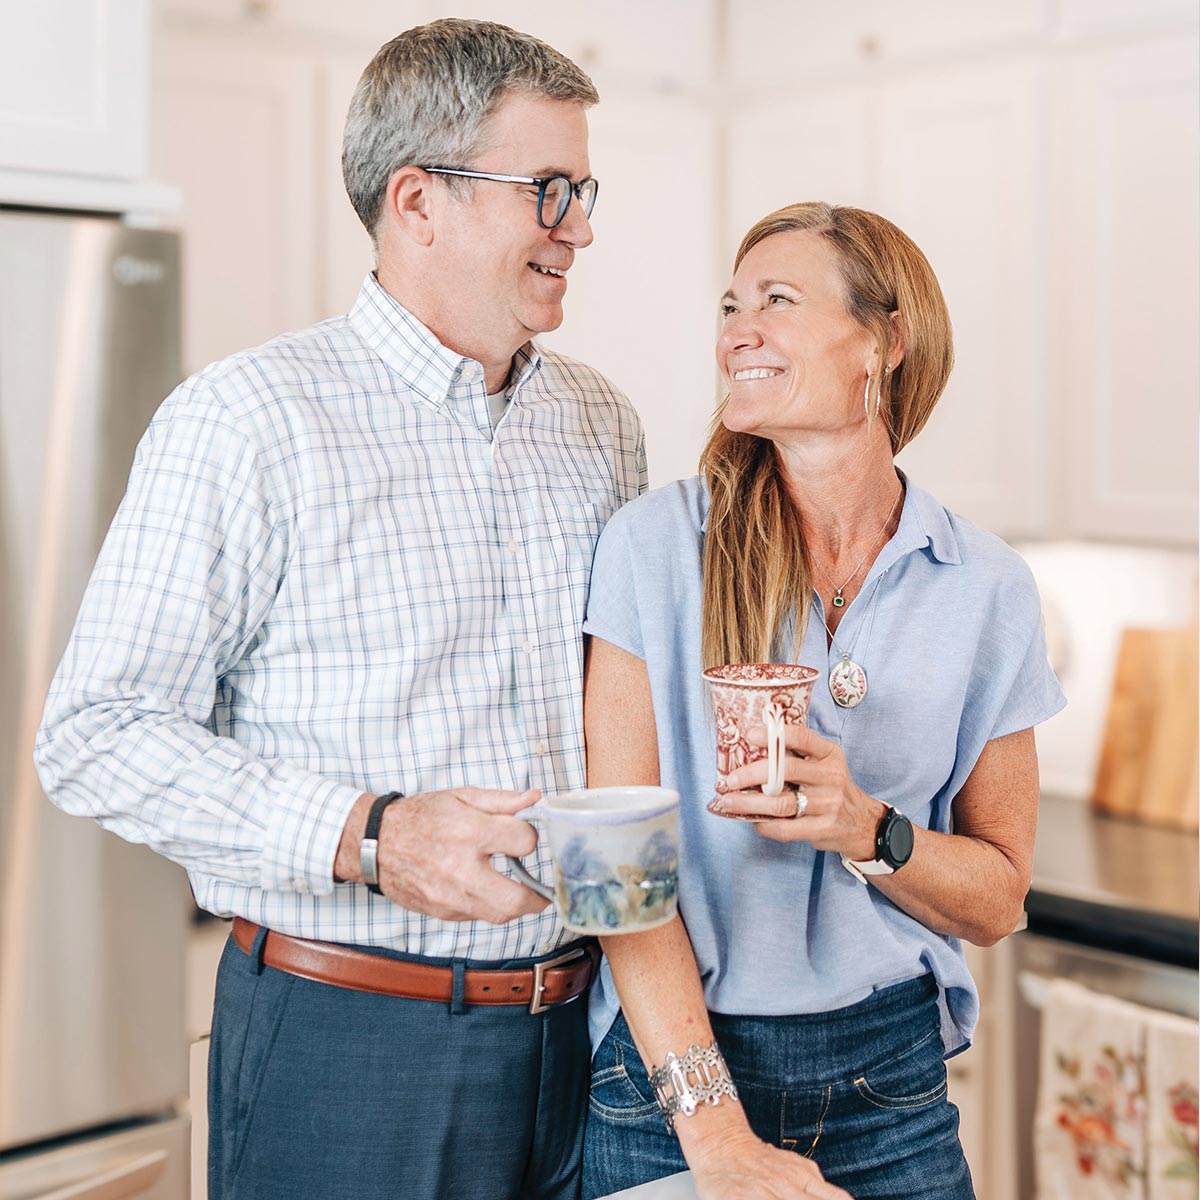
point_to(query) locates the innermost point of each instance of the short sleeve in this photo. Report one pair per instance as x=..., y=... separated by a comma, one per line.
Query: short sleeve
x=1013, y=686
x=612, y=610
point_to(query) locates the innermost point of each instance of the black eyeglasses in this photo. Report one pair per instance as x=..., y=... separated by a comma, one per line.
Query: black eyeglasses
x=554, y=192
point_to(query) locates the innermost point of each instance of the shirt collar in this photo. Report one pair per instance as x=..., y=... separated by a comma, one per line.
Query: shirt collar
x=435, y=372
x=923, y=522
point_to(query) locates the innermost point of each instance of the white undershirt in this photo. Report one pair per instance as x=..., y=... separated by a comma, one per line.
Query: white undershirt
x=497, y=403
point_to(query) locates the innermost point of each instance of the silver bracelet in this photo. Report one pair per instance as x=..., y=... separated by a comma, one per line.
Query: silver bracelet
x=682, y=1084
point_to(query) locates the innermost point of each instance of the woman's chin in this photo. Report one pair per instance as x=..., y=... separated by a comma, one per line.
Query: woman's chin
x=740, y=422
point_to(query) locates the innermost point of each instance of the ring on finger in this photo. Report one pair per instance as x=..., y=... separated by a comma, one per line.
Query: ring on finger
x=801, y=805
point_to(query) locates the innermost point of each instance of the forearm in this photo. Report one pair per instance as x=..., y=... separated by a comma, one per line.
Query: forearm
x=958, y=885
x=663, y=1001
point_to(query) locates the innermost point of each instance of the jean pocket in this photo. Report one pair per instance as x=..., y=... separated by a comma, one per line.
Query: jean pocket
x=914, y=1079
x=620, y=1090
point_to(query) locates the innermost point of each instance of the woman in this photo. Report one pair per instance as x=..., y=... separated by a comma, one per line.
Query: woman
x=834, y=994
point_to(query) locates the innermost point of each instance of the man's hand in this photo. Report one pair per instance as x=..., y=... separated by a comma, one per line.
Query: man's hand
x=435, y=852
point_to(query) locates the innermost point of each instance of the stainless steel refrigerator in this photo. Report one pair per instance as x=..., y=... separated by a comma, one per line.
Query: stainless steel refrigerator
x=93, y=931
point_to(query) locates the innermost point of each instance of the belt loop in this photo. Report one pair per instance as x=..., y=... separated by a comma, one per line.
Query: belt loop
x=457, y=987
x=258, y=949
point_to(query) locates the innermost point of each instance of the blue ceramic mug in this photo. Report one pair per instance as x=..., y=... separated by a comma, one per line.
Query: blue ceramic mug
x=616, y=857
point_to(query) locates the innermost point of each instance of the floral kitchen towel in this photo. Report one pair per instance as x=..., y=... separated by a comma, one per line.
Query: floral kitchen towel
x=1090, y=1128
x=1172, y=1076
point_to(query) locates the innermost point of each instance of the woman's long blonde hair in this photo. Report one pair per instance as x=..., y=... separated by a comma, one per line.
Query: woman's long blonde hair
x=755, y=566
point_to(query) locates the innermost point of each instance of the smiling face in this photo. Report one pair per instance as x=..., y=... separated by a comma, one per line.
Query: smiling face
x=792, y=358
x=500, y=277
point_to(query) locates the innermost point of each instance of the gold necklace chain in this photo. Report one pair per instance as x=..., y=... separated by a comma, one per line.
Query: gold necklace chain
x=839, y=600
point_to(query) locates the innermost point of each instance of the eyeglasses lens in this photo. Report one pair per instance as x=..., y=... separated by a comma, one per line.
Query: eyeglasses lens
x=556, y=198
x=587, y=195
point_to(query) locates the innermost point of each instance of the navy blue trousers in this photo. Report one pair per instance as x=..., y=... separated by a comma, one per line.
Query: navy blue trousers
x=322, y=1093
x=861, y=1090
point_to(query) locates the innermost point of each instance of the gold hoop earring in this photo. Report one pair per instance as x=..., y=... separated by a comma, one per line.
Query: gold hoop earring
x=867, y=400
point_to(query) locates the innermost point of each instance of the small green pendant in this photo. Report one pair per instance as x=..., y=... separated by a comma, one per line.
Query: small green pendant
x=839, y=601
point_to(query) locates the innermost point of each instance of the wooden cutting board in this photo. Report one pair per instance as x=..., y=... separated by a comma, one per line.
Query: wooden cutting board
x=1148, y=758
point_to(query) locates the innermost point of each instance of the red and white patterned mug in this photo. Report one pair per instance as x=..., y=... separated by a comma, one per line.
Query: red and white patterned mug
x=744, y=695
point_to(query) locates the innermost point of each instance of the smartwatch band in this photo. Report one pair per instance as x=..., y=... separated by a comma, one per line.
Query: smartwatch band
x=368, y=852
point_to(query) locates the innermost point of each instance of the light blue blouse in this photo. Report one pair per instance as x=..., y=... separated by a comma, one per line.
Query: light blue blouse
x=948, y=628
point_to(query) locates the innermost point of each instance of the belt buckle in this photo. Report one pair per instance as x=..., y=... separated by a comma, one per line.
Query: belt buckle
x=539, y=972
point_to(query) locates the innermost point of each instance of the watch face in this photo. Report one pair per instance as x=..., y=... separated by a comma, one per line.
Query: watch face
x=897, y=840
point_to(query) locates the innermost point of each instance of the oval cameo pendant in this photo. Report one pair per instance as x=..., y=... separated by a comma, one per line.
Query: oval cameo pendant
x=848, y=683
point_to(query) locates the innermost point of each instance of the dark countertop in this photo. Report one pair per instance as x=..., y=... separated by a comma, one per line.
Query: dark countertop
x=1115, y=884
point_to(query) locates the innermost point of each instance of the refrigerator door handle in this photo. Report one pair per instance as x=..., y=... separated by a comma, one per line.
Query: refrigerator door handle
x=134, y=1177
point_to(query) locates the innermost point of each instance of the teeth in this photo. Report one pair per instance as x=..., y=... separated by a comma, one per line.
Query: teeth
x=755, y=373
x=548, y=270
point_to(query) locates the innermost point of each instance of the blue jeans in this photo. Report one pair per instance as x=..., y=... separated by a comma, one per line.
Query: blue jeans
x=861, y=1090
x=322, y=1093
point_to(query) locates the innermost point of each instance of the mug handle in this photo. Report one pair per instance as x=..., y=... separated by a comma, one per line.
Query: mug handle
x=773, y=720
x=531, y=815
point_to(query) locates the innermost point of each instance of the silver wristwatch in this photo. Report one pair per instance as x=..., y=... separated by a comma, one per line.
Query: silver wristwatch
x=681, y=1085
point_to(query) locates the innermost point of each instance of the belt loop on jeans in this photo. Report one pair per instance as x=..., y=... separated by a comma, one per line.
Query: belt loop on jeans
x=457, y=1005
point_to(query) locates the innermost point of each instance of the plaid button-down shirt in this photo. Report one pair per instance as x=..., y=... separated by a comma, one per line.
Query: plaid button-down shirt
x=328, y=576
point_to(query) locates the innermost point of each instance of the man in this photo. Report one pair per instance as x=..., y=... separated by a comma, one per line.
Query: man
x=332, y=644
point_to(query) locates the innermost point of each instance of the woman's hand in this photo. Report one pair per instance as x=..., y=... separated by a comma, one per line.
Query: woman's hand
x=743, y=1166
x=839, y=816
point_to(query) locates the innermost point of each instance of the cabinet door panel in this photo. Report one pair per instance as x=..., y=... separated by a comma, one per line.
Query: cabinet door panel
x=776, y=43
x=343, y=253
x=235, y=135
x=641, y=305
x=958, y=172
x=791, y=150
x=1084, y=18
x=73, y=84
x=667, y=44
x=1129, y=290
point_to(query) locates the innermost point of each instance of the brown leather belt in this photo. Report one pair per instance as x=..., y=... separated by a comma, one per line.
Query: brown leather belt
x=541, y=985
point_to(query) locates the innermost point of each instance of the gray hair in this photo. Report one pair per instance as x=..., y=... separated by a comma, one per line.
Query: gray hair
x=426, y=96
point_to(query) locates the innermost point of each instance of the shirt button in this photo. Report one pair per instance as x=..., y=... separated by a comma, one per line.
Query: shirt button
x=513, y=546
x=300, y=885
x=527, y=647
x=541, y=749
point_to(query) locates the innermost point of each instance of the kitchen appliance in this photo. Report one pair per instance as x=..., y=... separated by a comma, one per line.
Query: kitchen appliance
x=93, y=1051
x=1113, y=908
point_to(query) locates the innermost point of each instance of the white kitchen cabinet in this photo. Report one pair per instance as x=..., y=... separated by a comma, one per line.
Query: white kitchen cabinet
x=1078, y=19
x=959, y=157
x=73, y=85
x=980, y=1080
x=343, y=251
x=1127, y=292
x=665, y=45
x=373, y=21
x=235, y=135
x=778, y=44
x=790, y=149
x=642, y=299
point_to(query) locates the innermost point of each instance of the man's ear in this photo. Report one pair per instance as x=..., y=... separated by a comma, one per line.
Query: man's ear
x=409, y=203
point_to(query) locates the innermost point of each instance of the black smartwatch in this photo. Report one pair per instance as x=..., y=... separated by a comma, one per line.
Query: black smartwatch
x=893, y=848
x=368, y=851
x=894, y=839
